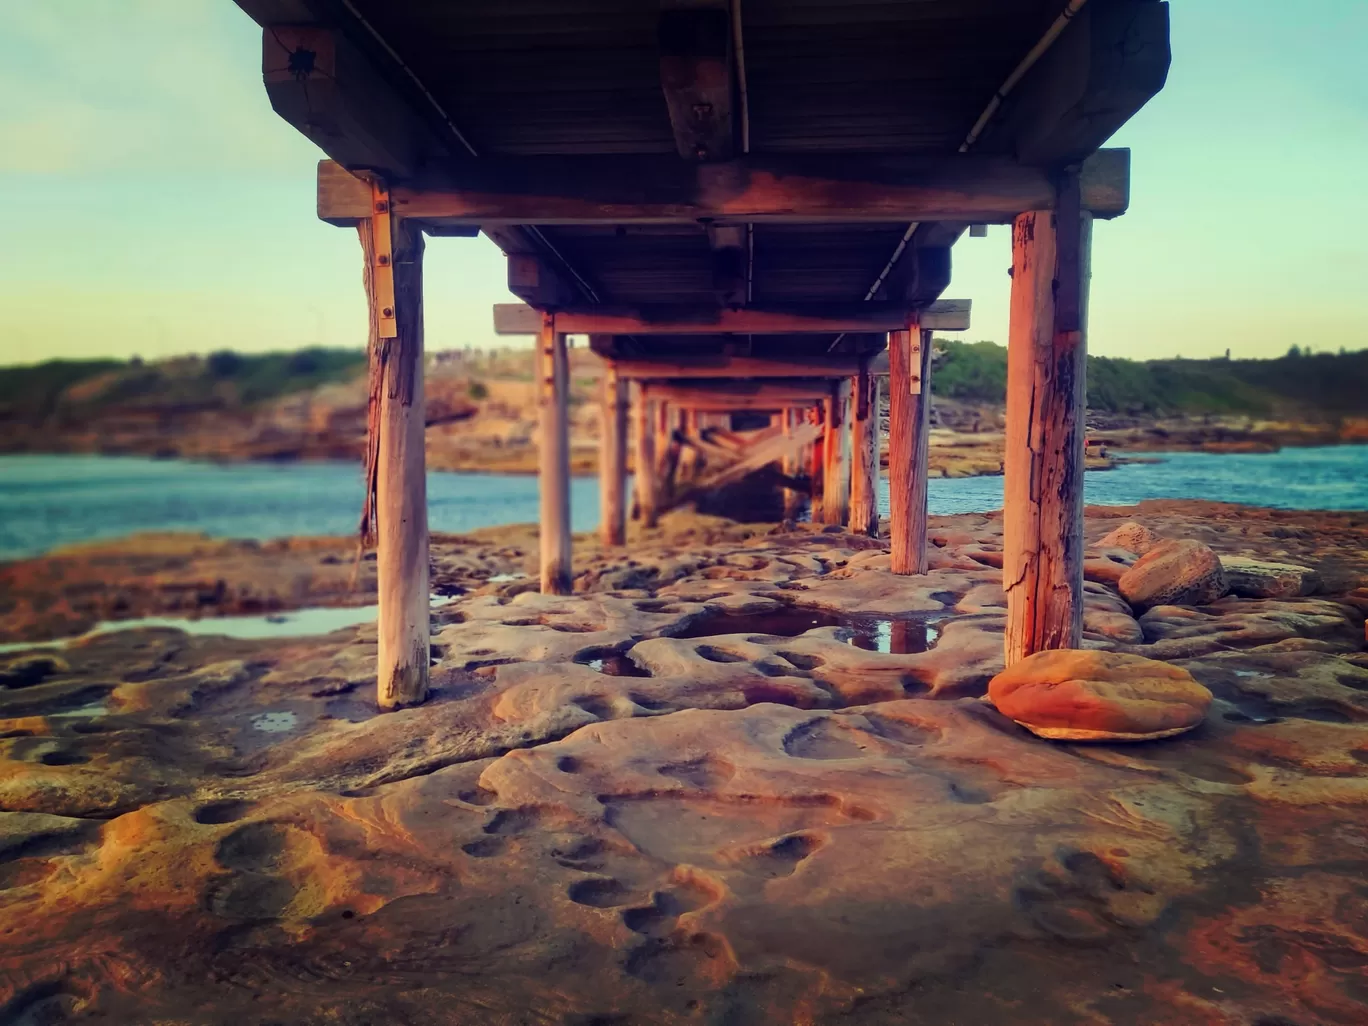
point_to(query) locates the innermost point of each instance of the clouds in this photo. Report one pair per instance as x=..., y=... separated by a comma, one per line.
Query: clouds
x=119, y=85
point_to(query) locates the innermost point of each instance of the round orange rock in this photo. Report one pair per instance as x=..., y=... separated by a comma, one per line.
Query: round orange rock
x=1078, y=695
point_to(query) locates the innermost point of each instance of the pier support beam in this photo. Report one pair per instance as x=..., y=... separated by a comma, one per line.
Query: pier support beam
x=395, y=516
x=835, y=445
x=644, y=457
x=909, y=419
x=792, y=464
x=613, y=459
x=1046, y=400
x=553, y=394
x=864, y=466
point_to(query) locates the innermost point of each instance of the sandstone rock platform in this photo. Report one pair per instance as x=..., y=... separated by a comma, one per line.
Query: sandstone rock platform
x=722, y=783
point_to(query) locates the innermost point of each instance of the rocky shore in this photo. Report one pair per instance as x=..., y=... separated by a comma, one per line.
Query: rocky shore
x=744, y=774
x=481, y=413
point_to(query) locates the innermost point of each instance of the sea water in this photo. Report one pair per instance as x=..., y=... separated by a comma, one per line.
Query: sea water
x=47, y=501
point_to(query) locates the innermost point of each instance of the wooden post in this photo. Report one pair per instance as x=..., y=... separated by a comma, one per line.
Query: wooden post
x=864, y=467
x=1046, y=400
x=613, y=458
x=395, y=516
x=688, y=459
x=553, y=395
x=909, y=421
x=835, y=495
x=816, y=463
x=644, y=457
x=792, y=465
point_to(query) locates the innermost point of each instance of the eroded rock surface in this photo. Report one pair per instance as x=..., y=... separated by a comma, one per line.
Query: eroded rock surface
x=723, y=783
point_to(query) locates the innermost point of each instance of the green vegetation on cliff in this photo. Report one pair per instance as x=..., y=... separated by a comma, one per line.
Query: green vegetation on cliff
x=1310, y=385
x=222, y=380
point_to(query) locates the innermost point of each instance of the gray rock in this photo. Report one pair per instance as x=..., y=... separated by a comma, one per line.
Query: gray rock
x=1256, y=578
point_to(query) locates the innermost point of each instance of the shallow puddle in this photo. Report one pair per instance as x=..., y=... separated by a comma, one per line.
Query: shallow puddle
x=904, y=635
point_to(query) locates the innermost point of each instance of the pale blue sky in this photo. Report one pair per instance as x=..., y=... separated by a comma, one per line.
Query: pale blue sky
x=158, y=206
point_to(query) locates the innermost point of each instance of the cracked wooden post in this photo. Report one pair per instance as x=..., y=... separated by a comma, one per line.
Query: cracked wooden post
x=1046, y=402
x=553, y=394
x=864, y=467
x=395, y=516
x=644, y=457
x=909, y=420
x=613, y=458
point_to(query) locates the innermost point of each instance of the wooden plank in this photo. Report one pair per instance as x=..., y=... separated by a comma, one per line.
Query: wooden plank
x=743, y=395
x=1043, y=471
x=697, y=78
x=396, y=510
x=613, y=459
x=1107, y=64
x=709, y=366
x=624, y=189
x=553, y=397
x=790, y=319
x=864, y=467
x=946, y=315
x=644, y=461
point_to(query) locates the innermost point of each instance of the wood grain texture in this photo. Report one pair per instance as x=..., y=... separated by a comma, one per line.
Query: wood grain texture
x=397, y=439
x=553, y=397
x=644, y=457
x=613, y=459
x=626, y=189
x=864, y=467
x=1046, y=404
x=835, y=455
x=908, y=436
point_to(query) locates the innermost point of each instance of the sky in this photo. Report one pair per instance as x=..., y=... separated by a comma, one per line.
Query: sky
x=157, y=205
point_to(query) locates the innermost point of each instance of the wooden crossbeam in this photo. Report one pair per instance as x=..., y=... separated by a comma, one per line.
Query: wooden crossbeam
x=713, y=366
x=820, y=319
x=743, y=395
x=794, y=189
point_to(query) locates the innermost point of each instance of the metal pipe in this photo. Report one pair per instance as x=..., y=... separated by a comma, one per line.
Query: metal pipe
x=1010, y=83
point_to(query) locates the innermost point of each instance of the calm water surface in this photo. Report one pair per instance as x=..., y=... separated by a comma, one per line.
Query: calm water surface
x=46, y=501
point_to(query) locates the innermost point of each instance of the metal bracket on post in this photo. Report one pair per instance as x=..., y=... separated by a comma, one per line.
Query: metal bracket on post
x=914, y=349
x=382, y=232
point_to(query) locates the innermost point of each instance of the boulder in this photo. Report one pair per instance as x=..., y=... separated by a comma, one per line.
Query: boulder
x=1132, y=537
x=1074, y=695
x=1181, y=573
x=1256, y=578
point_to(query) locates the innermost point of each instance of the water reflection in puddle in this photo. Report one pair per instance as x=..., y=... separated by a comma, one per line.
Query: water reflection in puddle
x=275, y=722
x=295, y=623
x=616, y=665
x=901, y=635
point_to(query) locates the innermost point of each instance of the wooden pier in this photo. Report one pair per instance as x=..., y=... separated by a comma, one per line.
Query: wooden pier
x=742, y=205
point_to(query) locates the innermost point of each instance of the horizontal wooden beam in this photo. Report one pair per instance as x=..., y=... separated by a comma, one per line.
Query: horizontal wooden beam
x=713, y=366
x=818, y=319
x=743, y=395
x=798, y=189
x=946, y=315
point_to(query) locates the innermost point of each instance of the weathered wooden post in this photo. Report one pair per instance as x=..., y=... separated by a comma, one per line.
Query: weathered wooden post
x=792, y=464
x=909, y=419
x=1046, y=401
x=394, y=517
x=688, y=457
x=864, y=468
x=644, y=456
x=613, y=458
x=816, y=464
x=835, y=494
x=553, y=393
